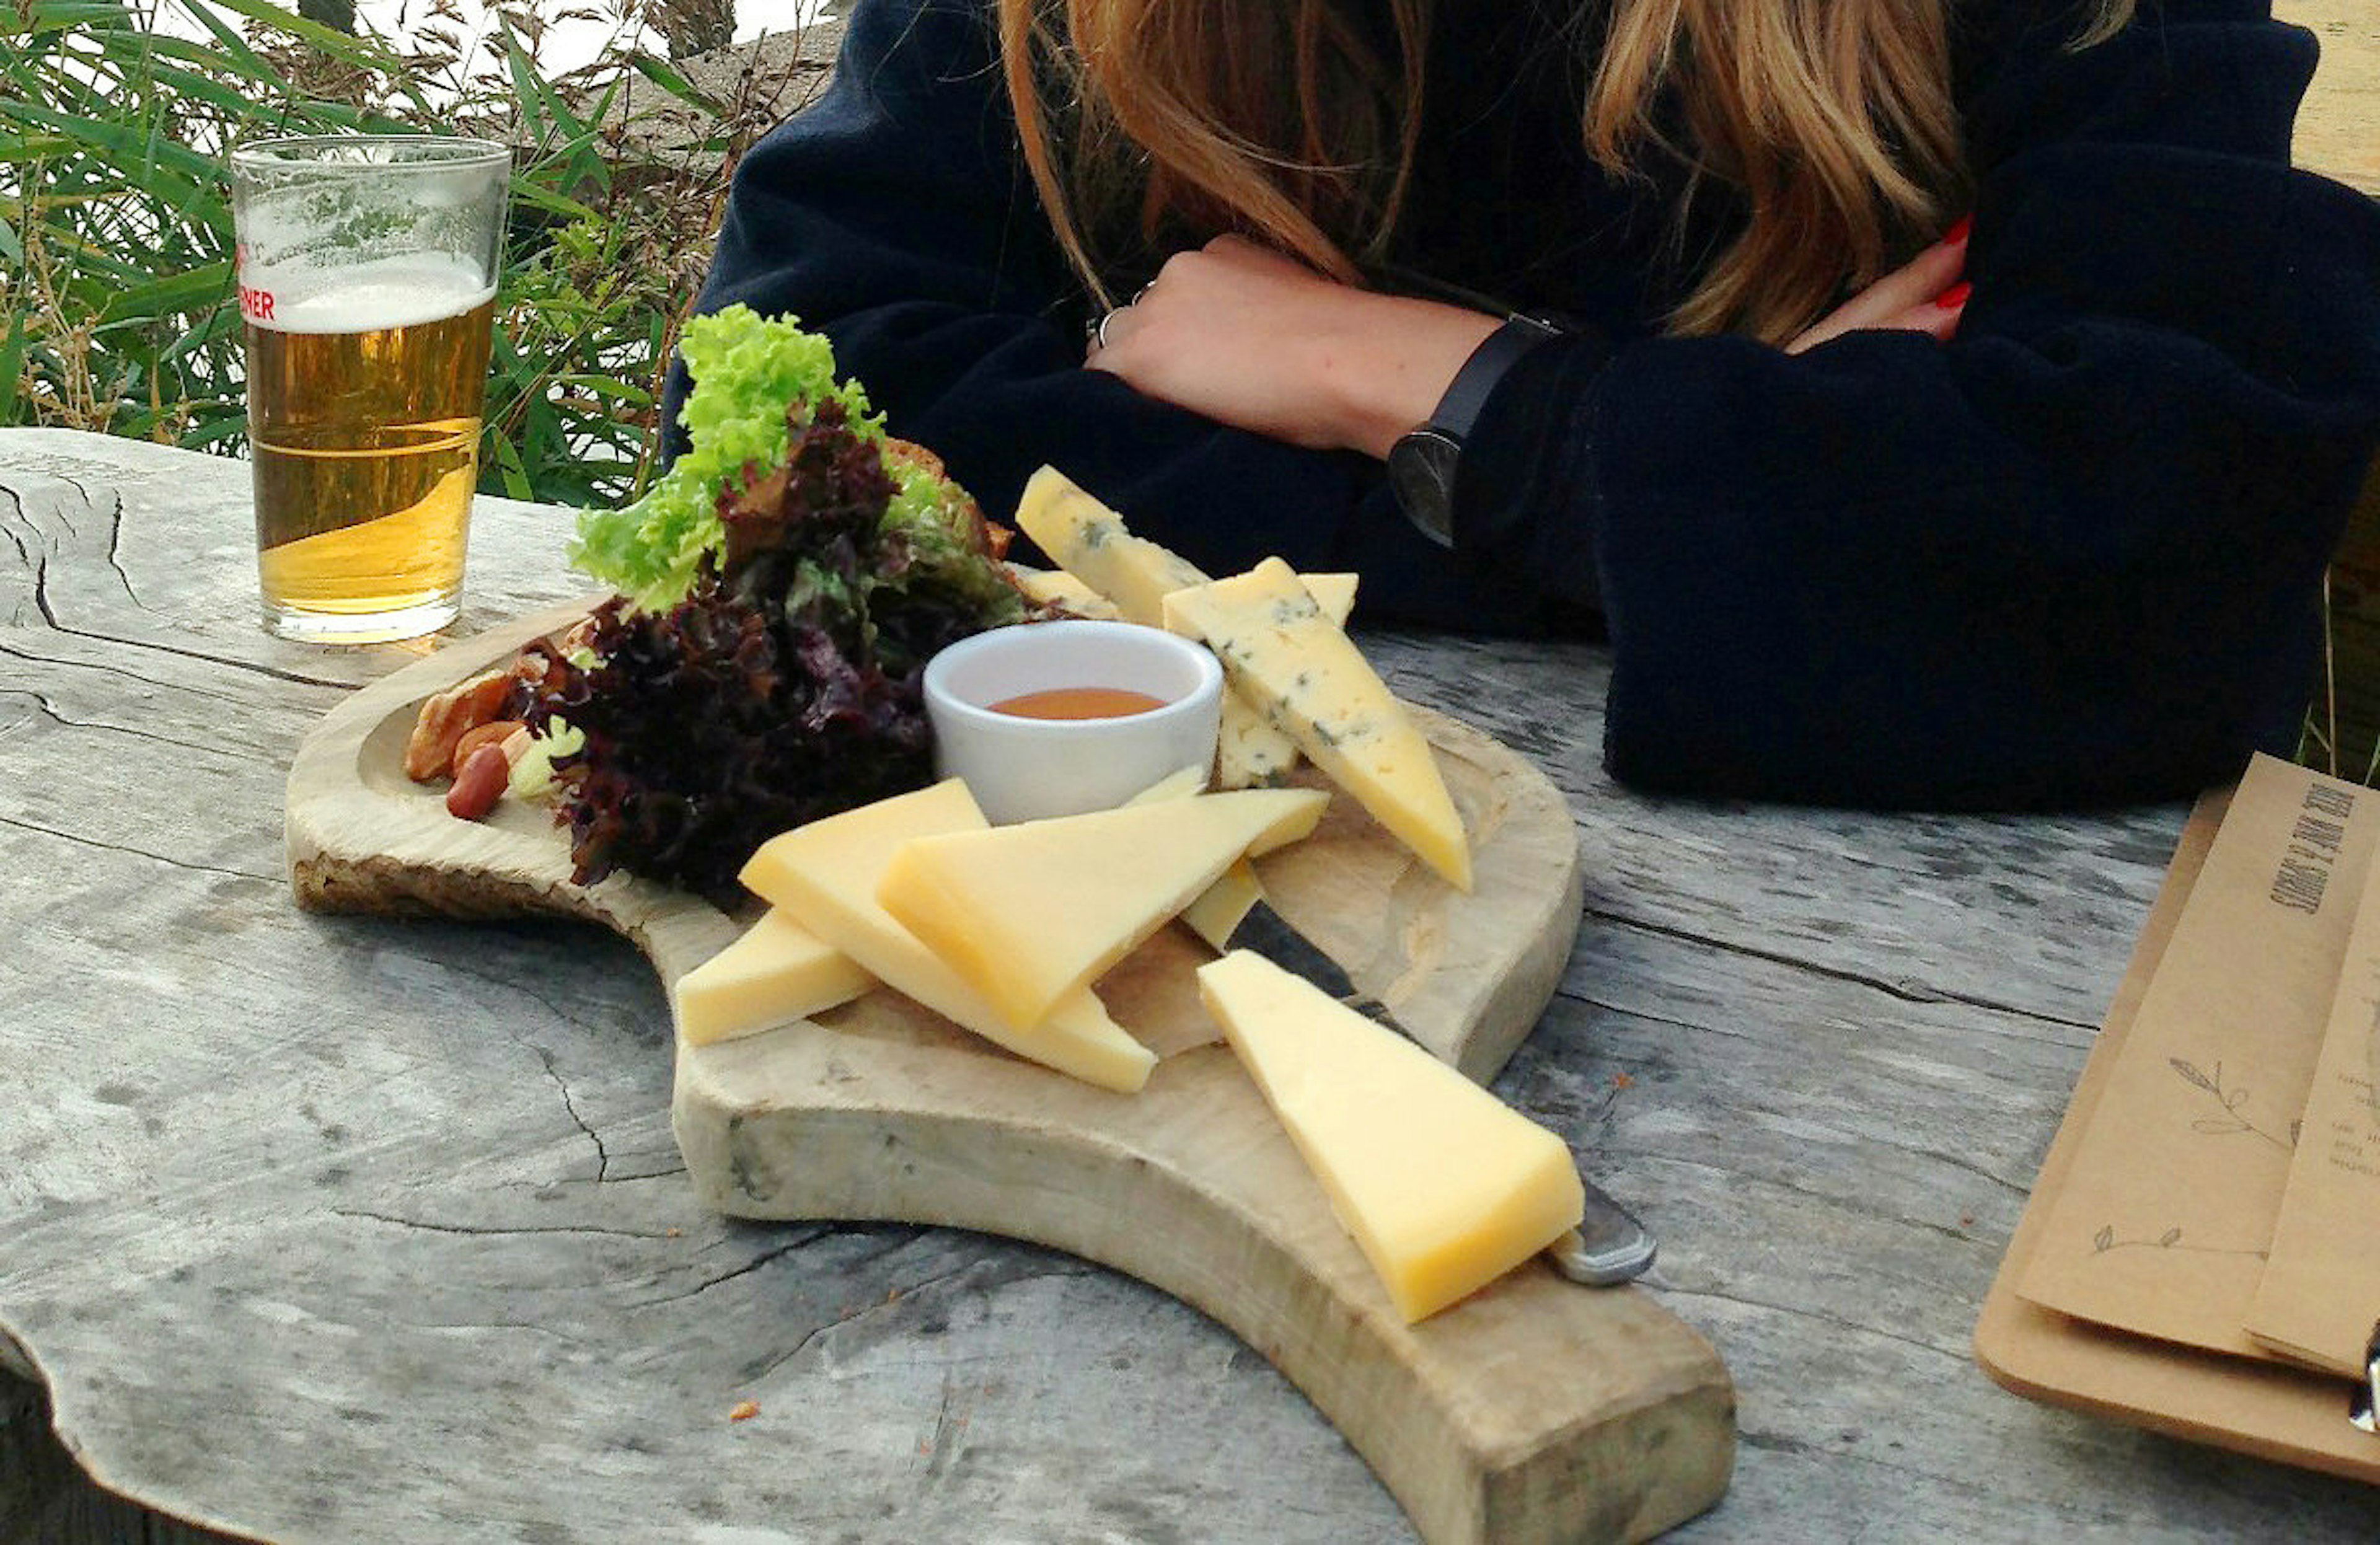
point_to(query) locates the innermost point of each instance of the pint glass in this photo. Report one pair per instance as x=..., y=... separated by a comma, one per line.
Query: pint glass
x=366, y=280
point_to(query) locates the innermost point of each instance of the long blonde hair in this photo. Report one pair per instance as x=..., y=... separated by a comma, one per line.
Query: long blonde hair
x=1146, y=122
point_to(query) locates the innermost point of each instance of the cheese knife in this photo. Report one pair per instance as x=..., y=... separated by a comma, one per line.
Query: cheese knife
x=1608, y=1247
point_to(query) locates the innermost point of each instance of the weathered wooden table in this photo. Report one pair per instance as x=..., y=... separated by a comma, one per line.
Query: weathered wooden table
x=342, y=1229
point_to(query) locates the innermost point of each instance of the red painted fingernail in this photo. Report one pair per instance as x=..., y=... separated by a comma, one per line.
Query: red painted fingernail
x=1959, y=231
x=1955, y=297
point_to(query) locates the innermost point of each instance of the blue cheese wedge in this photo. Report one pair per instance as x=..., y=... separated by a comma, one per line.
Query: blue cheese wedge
x=1088, y=541
x=1283, y=654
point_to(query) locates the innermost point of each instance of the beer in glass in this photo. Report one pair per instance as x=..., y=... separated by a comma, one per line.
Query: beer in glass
x=366, y=280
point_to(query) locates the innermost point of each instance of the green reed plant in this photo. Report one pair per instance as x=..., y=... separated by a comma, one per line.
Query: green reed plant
x=117, y=307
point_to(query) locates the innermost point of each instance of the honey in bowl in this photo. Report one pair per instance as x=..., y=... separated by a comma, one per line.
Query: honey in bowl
x=1078, y=702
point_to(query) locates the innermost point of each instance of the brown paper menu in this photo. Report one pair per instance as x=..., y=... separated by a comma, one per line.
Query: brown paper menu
x=2169, y=1211
x=2275, y=1409
x=2319, y=1296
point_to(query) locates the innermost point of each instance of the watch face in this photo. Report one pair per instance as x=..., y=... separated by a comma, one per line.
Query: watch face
x=1421, y=472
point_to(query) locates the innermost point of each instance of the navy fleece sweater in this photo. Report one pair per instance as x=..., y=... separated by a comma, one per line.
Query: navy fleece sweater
x=2073, y=557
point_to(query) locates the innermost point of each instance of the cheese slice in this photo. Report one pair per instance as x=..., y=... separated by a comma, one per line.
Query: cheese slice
x=1180, y=783
x=826, y=874
x=1444, y=1187
x=1218, y=908
x=1335, y=593
x=1088, y=541
x=778, y=970
x=1282, y=653
x=1249, y=751
x=1063, y=590
x=1031, y=913
x=1220, y=905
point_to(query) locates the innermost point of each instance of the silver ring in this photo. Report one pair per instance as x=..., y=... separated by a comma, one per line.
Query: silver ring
x=1099, y=328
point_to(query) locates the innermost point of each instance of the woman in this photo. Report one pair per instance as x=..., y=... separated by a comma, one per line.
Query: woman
x=2036, y=517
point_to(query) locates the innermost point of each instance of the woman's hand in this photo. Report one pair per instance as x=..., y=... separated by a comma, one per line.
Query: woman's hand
x=1924, y=295
x=1259, y=341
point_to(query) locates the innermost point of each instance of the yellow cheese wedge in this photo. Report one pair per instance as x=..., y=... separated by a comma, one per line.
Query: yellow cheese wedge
x=1029, y=914
x=1249, y=752
x=1335, y=593
x=1220, y=905
x=1088, y=541
x=826, y=874
x=778, y=970
x=1284, y=655
x=1062, y=590
x=1444, y=1187
x=1180, y=783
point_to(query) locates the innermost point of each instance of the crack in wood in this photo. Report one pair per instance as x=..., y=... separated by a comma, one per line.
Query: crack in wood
x=114, y=546
x=1646, y=1015
x=602, y=1156
x=1968, y=1166
x=136, y=852
x=854, y=1316
x=183, y=689
x=1953, y=1353
x=395, y=1220
x=668, y=1173
x=50, y=710
x=1907, y=992
x=815, y=1233
x=38, y=561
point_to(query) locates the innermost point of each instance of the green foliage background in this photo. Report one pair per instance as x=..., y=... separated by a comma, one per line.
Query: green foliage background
x=117, y=308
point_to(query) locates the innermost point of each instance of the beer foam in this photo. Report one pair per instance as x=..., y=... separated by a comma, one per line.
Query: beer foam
x=365, y=297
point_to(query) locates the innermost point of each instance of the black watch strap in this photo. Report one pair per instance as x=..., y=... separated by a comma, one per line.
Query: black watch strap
x=1468, y=392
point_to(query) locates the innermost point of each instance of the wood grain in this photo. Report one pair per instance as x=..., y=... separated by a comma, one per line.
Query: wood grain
x=1536, y=1411
x=325, y=1229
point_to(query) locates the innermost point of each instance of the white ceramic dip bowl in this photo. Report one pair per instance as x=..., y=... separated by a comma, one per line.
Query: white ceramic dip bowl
x=1023, y=769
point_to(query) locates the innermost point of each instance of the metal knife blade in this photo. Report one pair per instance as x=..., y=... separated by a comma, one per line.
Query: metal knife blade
x=1267, y=934
x=1608, y=1247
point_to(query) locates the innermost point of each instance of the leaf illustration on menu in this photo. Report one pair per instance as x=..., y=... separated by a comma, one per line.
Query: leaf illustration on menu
x=2230, y=1122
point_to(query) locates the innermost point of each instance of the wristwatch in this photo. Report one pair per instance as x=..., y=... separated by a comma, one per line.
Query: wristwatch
x=1422, y=463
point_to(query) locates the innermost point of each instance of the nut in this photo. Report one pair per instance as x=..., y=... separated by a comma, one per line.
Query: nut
x=480, y=784
x=430, y=750
x=493, y=733
x=581, y=636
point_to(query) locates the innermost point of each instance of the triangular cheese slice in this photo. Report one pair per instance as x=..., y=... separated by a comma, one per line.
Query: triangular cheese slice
x=826, y=874
x=1218, y=909
x=1088, y=541
x=778, y=970
x=1031, y=913
x=1284, y=655
x=1444, y=1187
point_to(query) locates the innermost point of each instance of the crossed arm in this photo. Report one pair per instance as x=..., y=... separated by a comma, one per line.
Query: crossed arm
x=1246, y=337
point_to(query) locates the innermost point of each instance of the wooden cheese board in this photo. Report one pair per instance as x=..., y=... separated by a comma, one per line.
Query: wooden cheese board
x=1537, y=1410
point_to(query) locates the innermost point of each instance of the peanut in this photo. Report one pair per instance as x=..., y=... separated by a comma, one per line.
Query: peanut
x=480, y=784
x=495, y=733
